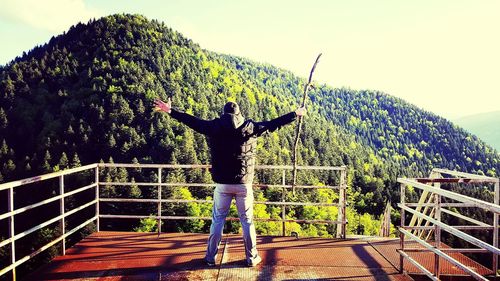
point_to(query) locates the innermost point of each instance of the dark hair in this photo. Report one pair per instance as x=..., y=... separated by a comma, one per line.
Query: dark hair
x=231, y=108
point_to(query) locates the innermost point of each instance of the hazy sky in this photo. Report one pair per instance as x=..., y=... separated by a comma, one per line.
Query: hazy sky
x=441, y=55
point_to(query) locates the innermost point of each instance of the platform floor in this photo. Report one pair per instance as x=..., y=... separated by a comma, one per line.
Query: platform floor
x=388, y=249
x=178, y=256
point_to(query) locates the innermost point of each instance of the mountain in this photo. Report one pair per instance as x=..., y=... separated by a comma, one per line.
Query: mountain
x=411, y=141
x=87, y=95
x=485, y=125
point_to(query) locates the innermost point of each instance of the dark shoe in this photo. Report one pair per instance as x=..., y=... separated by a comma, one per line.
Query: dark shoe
x=254, y=262
x=209, y=263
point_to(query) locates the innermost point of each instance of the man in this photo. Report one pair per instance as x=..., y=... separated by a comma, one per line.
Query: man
x=233, y=142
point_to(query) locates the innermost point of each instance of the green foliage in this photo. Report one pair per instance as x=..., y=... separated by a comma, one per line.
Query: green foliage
x=147, y=225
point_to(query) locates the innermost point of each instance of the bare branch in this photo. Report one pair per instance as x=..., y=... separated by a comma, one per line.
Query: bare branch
x=299, y=125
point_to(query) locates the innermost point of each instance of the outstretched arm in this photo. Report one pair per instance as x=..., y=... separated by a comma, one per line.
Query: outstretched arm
x=273, y=125
x=195, y=123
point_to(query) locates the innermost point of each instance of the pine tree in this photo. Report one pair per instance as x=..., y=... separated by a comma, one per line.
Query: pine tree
x=75, y=162
x=3, y=119
x=4, y=149
x=111, y=141
x=70, y=130
x=134, y=191
x=8, y=167
x=63, y=161
x=46, y=162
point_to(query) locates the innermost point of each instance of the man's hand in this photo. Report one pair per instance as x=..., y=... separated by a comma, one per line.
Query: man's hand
x=163, y=106
x=301, y=111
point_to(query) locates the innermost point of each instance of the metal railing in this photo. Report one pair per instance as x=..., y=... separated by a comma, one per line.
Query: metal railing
x=96, y=182
x=12, y=211
x=428, y=211
x=342, y=185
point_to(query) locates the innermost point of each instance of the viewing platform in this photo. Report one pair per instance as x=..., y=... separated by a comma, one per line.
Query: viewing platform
x=419, y=253
x=179, y=256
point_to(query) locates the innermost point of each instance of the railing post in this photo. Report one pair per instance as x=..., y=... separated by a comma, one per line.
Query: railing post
x=10, y=208
x=437, y=235
x=159, y=201
x=402, y=225
x=61, y=212
x=342, y=203
x=495, y=227
x=97, y=211
x=283, y=209
x=344, y=172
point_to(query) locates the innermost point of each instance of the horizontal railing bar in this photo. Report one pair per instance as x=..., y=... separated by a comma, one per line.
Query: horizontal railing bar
x=453, y=180
x=449, y=250
x=296, y=186
x=192, y=166
x=309, y=221
x=45, y=247
x=456, y=232
x=464, y=227
x=209, y=218
x=153, y=166
x=8, y=268
x=44, y=224
x=156, y=184
x=256, y=219
x=126, y=200
x=452, y=195
x=288, y=167
x=213, y=184
x=52, y=199
x=444, y=255
x=153, y=184
x=471, y=220
x=72, y=211
x=297, y=203
x=418, y=265
x=462, y=174
x=46, y=176
x=447, y=205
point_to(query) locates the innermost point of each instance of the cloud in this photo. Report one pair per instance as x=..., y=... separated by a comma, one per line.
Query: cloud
x=47, y=15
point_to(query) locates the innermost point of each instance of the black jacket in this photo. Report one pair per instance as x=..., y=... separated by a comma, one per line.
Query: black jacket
x=232, y=146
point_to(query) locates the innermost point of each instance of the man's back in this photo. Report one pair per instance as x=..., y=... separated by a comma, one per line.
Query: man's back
x=233, y=150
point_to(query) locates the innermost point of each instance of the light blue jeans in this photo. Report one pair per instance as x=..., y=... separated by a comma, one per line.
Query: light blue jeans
x=223, y=195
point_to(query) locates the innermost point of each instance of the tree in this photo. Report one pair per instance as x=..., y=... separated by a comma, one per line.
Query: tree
x=63, y=161
x=3, y=119
x=75, y=162
x=4, y=149
x=46, y=162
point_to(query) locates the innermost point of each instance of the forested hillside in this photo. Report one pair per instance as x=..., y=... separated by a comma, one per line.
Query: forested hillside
x=410, y=139
x=86, y=96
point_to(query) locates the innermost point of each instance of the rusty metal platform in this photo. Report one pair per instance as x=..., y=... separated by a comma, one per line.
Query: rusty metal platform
x=178, y=256
x=388, y=247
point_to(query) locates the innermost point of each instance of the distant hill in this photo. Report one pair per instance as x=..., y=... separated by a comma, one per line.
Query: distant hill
x=485, y=125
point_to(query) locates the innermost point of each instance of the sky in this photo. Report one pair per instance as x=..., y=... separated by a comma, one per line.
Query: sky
x=443, y=56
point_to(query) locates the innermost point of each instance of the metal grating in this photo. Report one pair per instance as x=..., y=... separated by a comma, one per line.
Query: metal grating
x=387, y=248
x=178, y=256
